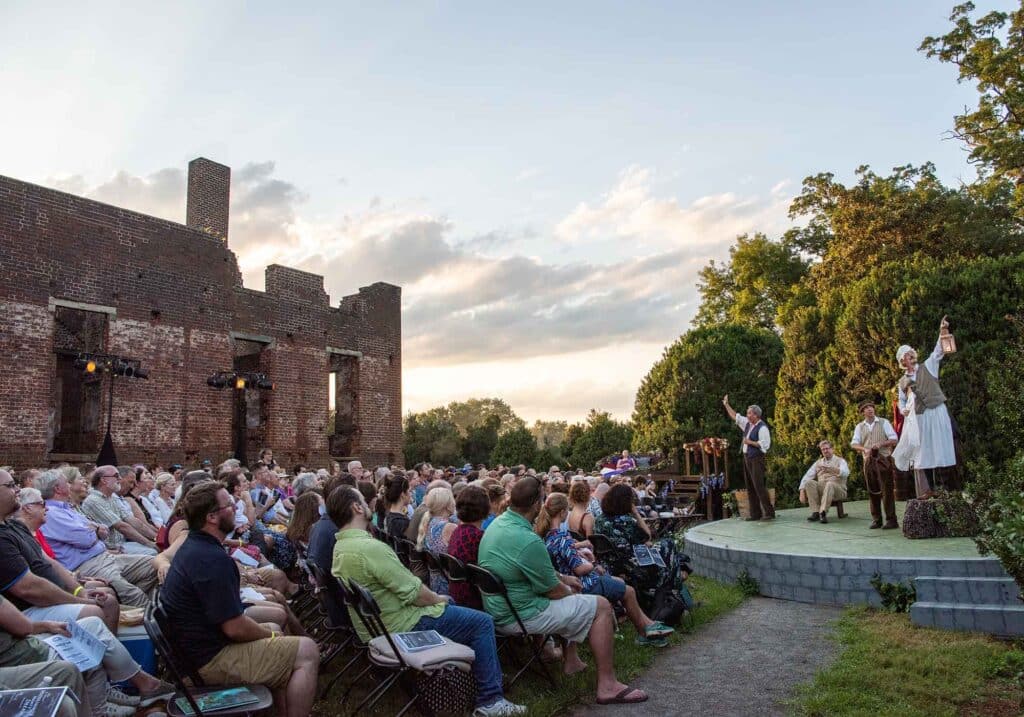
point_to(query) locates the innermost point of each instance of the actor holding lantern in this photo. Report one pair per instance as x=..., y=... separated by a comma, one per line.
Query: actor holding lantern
x=936, y=449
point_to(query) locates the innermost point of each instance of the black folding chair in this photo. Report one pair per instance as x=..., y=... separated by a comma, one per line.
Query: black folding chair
x=404, y=548
x=334, y=632
x=341, y=598
x=401, y=674
x=157, y=626
x=611, y=556
x=490, y=584
x=453, y=568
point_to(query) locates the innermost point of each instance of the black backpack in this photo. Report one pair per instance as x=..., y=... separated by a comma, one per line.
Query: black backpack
x=668, y=606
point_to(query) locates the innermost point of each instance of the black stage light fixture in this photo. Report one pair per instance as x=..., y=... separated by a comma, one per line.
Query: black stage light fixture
x=217, y=380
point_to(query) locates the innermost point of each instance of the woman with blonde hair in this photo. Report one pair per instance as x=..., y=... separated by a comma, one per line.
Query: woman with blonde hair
x=570, y=560
x=435, y=533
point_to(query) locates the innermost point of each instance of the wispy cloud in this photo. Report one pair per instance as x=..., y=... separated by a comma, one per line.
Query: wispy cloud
x=468, y=312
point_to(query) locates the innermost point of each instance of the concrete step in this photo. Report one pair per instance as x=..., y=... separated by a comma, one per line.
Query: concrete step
x=1000, y=620
x=962, y=590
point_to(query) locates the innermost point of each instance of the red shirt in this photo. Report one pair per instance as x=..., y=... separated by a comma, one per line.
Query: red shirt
x=41, y=539
x=465, y=545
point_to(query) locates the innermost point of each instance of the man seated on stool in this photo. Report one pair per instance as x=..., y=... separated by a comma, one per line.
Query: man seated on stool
x=824, y=482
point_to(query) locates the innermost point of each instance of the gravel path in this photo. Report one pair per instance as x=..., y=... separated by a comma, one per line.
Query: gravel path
x=746, y=662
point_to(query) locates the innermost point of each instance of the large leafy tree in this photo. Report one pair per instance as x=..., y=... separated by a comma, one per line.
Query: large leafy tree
x=680, y=399
x=600, y=436
x=549, y=434
x=430, y=437
x=758, y=278
x=481, y=440
x=514, y=447
x=989, y=51
x=476, y=411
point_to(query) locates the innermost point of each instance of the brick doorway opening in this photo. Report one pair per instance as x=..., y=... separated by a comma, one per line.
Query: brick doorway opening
x=252, y=410
x=344, y=441
x=77, y=402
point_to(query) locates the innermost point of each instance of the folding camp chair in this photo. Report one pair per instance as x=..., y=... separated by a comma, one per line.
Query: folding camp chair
x=490, y=584
x=157, y=626
x=401, y=672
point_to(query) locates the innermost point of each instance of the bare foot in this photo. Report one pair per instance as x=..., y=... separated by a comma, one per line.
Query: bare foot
x=574, y=665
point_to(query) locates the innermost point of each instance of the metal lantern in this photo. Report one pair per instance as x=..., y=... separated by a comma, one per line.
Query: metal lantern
x=947, y=341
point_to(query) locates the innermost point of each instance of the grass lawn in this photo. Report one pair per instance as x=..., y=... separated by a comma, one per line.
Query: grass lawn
x=630, y=660
x=887, y=666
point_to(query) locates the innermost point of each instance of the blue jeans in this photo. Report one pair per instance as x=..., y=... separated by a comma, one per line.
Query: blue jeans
x=475, y=630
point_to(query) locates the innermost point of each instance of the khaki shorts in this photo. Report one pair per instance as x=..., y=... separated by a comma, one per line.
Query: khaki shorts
x=570, y=617
x=267, y=662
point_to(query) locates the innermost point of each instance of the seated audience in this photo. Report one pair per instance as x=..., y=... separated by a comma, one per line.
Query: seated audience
x=623, y=525
x=569, y=560
x=437, y=531
x=126, y=485
x=472, y=507
x=626, y=463
x=21, y=647
x=33, y=515
x=308, y=508
x=497, y=495
x=407, y=604
x=548, y=603
x=35, y=583
x=824, y=482
x=395, y=501
x=162, y=498
x=580, y=518
x=78, y=543
x=212, y=631
x=103, y=506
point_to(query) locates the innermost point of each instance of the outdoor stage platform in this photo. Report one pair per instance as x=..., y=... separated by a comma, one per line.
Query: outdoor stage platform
x=794, y=559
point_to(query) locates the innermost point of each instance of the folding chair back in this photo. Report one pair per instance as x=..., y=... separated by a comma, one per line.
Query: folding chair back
x=368, y=609
x=453, y=568
x=156, y=624
x=330, y=597
x=606, y=552
x=490, y=584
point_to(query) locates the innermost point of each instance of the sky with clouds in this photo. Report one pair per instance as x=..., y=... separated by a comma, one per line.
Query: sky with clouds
x=544, y=180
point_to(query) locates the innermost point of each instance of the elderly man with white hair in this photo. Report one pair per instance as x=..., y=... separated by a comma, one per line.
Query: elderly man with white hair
x=79, y=545
x=934, y=425
x=304, y=482
x=356, y=469
x=824, y=482
x=756, y=442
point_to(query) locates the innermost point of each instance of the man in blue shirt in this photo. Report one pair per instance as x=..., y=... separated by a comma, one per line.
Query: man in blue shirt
x=212, y=631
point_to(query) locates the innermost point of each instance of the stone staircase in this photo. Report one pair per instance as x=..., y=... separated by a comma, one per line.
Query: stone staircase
x=979, y=604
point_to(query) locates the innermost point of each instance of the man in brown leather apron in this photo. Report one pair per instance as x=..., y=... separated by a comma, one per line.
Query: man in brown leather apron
x=874, y=438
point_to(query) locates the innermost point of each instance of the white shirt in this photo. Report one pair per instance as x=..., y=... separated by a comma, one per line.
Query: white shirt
x=812, y=473
x=890, y=432
x=764, y=438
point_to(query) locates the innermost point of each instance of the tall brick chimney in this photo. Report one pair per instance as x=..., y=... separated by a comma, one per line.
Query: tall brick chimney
x=209, y=190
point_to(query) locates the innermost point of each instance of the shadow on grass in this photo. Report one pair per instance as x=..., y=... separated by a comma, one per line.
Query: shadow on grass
x=541, y=699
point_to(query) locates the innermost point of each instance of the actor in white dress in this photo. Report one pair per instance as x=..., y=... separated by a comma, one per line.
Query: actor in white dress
x=933, y=422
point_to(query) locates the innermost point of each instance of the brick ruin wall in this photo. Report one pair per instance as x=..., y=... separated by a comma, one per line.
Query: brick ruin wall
x=174, y=299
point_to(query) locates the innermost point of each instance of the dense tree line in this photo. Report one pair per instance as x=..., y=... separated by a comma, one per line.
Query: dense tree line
x=488, y=431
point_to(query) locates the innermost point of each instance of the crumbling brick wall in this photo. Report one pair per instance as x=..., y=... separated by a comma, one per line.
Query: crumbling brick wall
x=175, y=301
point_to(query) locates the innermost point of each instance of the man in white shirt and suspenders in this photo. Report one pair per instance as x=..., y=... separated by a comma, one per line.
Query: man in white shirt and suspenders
x=756, y=442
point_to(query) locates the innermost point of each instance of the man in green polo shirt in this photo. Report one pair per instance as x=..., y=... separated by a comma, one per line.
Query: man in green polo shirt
x=548, y=603
x=406, y=604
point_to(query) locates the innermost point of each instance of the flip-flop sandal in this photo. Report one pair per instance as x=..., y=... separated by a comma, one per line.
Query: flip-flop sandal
x=620, y=699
